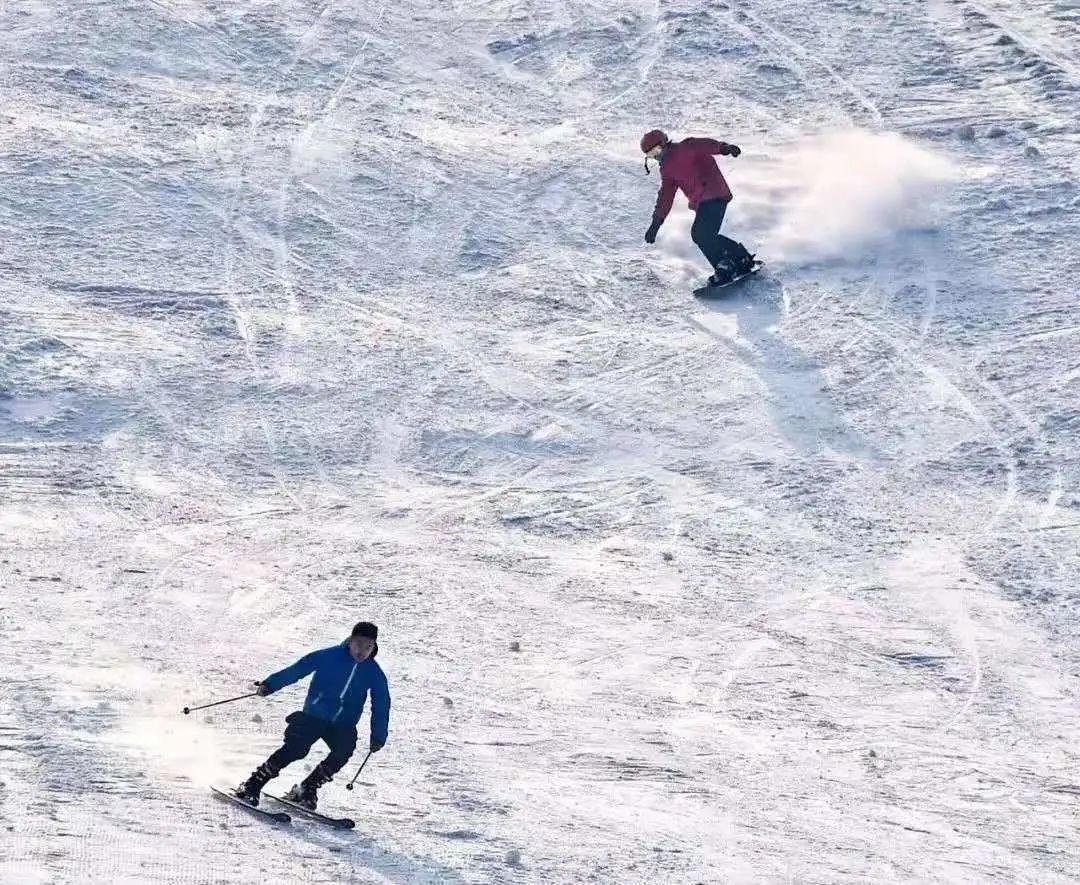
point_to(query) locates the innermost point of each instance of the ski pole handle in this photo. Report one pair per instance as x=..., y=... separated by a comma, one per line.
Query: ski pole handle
x=218, y=703
x=348, y=786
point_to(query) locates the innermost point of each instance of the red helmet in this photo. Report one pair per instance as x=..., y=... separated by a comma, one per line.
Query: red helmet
x=653, y=138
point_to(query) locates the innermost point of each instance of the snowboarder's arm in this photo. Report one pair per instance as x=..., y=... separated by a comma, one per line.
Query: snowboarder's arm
x=380, y=710
x=711, y=146
x=664, y=200
x=291, y=674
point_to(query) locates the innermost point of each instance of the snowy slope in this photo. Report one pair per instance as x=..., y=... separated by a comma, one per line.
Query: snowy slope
x=314, y=312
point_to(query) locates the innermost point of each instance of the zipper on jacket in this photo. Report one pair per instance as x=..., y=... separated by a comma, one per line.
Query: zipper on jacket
x=341, y=697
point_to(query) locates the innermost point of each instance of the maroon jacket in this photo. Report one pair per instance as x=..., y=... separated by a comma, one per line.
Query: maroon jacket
x=689, y=165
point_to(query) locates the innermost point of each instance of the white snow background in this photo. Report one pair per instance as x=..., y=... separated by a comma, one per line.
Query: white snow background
x=314, y=311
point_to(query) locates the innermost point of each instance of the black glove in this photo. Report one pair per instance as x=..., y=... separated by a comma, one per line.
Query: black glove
x=262, y=689
x=733, y=150
x=375, y=745
x=650, y=234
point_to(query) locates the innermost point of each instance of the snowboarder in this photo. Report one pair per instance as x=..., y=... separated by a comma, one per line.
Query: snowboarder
x=689, y=165
x=343, y=677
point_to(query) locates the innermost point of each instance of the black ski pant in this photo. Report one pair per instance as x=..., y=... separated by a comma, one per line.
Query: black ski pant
x=706, y=235
x=301, y=734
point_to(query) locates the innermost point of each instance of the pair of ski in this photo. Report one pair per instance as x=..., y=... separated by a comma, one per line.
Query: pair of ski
x=281, y=817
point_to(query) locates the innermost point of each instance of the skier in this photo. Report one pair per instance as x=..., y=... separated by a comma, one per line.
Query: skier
x=689, y=165
x=343, y=676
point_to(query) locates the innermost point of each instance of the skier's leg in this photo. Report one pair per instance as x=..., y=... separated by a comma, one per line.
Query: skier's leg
x=342, y=743
x=301, y=732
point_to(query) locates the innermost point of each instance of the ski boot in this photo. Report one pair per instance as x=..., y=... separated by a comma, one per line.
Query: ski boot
x=303, y=795
x=306, y=793
x=250, y=789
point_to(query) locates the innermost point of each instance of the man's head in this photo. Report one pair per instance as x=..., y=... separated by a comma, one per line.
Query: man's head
x=362, y=641
x=653, y=143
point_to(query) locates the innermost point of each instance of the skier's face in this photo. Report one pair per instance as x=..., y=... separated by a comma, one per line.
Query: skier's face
x=360, y=647
x=655, y=153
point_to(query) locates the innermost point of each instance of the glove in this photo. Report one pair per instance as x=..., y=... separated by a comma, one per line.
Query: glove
x=650, y=234
x=733, y=150
x=375, y=745
x=262, y=689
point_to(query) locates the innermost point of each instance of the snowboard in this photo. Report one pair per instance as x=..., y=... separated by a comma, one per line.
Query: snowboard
x=278, y=816
x=707, y=290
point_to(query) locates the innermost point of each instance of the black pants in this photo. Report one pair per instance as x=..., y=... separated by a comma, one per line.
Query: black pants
x=300, y=735
x=706, y=235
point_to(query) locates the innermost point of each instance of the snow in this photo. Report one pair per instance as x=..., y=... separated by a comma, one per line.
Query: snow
x=320, y=313
x=874, y=185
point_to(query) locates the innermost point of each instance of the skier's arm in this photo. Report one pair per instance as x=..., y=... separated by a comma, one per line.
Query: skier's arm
x=380, y=712
x=664, y=201
x=291, y=674
x=712, y=146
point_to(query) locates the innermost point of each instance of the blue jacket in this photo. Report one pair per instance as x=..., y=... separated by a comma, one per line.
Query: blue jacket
x=339, y=688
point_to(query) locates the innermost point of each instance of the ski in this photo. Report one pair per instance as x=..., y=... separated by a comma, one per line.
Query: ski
x=278, y=816
x=342, y=823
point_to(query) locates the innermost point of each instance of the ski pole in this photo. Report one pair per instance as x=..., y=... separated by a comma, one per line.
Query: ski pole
x=348, y=786
x=218, y=703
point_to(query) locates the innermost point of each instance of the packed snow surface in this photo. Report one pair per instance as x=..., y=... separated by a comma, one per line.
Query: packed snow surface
x=318, y=311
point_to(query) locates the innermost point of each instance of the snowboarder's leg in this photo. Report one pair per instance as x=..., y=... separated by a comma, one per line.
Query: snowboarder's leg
x=302, y=731
x=727, y=256
x=342, y=742
x=705, y=231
